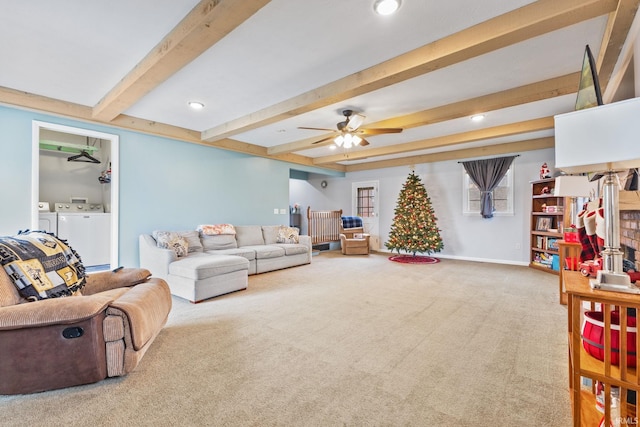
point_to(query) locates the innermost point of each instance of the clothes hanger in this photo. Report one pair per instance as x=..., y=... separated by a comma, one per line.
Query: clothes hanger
x=83, y=157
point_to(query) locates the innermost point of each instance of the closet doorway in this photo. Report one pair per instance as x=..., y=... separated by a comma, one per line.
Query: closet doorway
x=75, y=169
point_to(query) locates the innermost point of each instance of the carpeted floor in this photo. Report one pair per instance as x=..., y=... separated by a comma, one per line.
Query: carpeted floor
x=345, y=341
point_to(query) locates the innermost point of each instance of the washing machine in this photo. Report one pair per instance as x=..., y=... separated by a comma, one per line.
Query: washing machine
x=87, y=229
x=47, y=221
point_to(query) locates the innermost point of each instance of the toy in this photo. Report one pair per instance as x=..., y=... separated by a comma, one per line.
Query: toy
x=590, y=268
x=544, y=171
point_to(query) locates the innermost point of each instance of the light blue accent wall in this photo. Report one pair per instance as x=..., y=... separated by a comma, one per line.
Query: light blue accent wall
x=164, y=184
x=15, y=171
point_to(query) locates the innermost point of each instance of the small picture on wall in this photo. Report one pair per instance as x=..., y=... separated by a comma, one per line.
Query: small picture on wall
x=544, y=223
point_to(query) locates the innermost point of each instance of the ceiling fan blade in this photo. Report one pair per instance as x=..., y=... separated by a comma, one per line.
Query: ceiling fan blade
x=379, y=131
x=325, y=129
x=323, y=140
x=363, y=143
x=355, y=121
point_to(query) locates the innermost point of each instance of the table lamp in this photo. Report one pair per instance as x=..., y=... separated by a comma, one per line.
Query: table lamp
x=573, y=186
x=603, y=139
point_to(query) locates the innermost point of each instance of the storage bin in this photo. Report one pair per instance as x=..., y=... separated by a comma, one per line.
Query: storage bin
x=571, y=236
x=593, y=336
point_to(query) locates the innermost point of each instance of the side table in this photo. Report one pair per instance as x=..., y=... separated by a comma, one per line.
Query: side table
x=567, y=251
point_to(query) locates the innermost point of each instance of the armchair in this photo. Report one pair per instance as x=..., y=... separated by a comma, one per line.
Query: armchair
x=353, y=239
x=101, y=331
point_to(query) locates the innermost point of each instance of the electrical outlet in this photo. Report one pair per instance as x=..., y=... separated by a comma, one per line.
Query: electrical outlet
x=283, y=211
x=275, y=211
x=518, y=245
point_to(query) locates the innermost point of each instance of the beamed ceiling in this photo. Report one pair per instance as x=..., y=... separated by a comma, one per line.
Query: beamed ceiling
x=265, y=68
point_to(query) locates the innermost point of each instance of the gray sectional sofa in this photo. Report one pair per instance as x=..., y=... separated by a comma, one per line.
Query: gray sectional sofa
x=213, y=265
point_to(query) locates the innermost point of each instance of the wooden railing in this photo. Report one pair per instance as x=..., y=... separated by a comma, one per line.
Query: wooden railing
x=324, y=226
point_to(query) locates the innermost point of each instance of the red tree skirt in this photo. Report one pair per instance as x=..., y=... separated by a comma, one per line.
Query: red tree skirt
x=414, y=259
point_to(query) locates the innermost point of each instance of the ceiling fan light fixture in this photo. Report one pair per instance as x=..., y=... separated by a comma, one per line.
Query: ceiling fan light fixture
x=356, y=140
x=386, y=7
x=339, y=140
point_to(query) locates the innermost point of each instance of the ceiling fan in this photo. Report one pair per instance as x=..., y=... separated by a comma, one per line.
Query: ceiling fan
x=349, y=132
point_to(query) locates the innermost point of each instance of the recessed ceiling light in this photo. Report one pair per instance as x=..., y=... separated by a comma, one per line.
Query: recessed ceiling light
x=477, y=117
x=386, y=7
x=196, y=105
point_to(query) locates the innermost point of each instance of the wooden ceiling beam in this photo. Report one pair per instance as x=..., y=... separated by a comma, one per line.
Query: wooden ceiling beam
x=467, y=153
x=495, y=101
x=616, y=33
x=529, y=21
x=26, y=100
x=205, y=25
x=534, y=125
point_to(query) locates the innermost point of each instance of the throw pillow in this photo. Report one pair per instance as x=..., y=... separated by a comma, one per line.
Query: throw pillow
x=215, y=229
x=172, y=240
x=41, y=266
x=288, y=235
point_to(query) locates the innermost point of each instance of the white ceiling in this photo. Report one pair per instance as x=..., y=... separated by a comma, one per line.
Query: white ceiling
x=77, y=51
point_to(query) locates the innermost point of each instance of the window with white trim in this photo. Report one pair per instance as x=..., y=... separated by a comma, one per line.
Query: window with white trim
x=502, y=195
x=365, y=202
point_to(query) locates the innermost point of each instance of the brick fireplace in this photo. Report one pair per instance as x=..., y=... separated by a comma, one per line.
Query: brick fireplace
x=630, y=236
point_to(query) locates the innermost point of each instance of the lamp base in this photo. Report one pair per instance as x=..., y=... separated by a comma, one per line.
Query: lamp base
x=610, y=281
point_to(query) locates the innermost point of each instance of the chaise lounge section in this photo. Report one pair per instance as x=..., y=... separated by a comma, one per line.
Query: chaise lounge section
x=219, y=258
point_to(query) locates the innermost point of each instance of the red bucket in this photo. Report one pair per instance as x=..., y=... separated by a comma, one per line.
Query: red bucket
x=593, y=337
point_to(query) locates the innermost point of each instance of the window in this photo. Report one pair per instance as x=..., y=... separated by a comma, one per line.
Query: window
x=502, y=195
x=365, y=202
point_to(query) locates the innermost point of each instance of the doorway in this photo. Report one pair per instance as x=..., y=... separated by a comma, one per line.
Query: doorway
x=364, y=196
x=101, y=153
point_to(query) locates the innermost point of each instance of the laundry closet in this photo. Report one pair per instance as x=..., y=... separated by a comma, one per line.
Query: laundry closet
x=74, y=200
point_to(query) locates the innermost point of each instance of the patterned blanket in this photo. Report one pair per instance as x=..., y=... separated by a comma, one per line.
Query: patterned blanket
x=40, y=265
x=351, y=221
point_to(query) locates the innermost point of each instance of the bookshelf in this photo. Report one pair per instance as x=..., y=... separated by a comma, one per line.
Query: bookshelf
x=548, y=221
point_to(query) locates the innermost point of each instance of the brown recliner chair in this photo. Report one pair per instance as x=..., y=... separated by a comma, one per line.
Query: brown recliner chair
x=67, y=341
x=353, y=239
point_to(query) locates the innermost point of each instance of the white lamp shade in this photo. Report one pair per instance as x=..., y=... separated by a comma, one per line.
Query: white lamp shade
x=602, y=138
x=573, y=186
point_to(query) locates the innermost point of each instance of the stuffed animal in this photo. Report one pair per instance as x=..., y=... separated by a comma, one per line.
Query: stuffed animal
x=544, y=171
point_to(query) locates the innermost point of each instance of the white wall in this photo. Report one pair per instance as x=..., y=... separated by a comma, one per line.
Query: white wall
x=503, y=239
x=61, y=179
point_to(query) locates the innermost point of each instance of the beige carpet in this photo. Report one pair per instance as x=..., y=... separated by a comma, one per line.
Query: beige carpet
x=345, y=341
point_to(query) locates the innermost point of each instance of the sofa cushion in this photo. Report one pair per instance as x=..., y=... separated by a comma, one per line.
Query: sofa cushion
x=247, y=253
x=270, y=234
x=287, y=235
x=293, y=248
x=202, y=267
x=249, y=235
x=220, y=241
x=172, y=240
x=193, y=240
x=267, y=251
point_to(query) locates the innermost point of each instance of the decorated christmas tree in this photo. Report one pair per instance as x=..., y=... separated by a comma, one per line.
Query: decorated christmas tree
x=414, y=223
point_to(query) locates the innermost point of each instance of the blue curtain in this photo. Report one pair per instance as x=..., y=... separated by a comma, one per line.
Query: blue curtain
x=486, y=174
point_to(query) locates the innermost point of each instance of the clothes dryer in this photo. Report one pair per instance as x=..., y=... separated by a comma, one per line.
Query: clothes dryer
x=87, y=229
